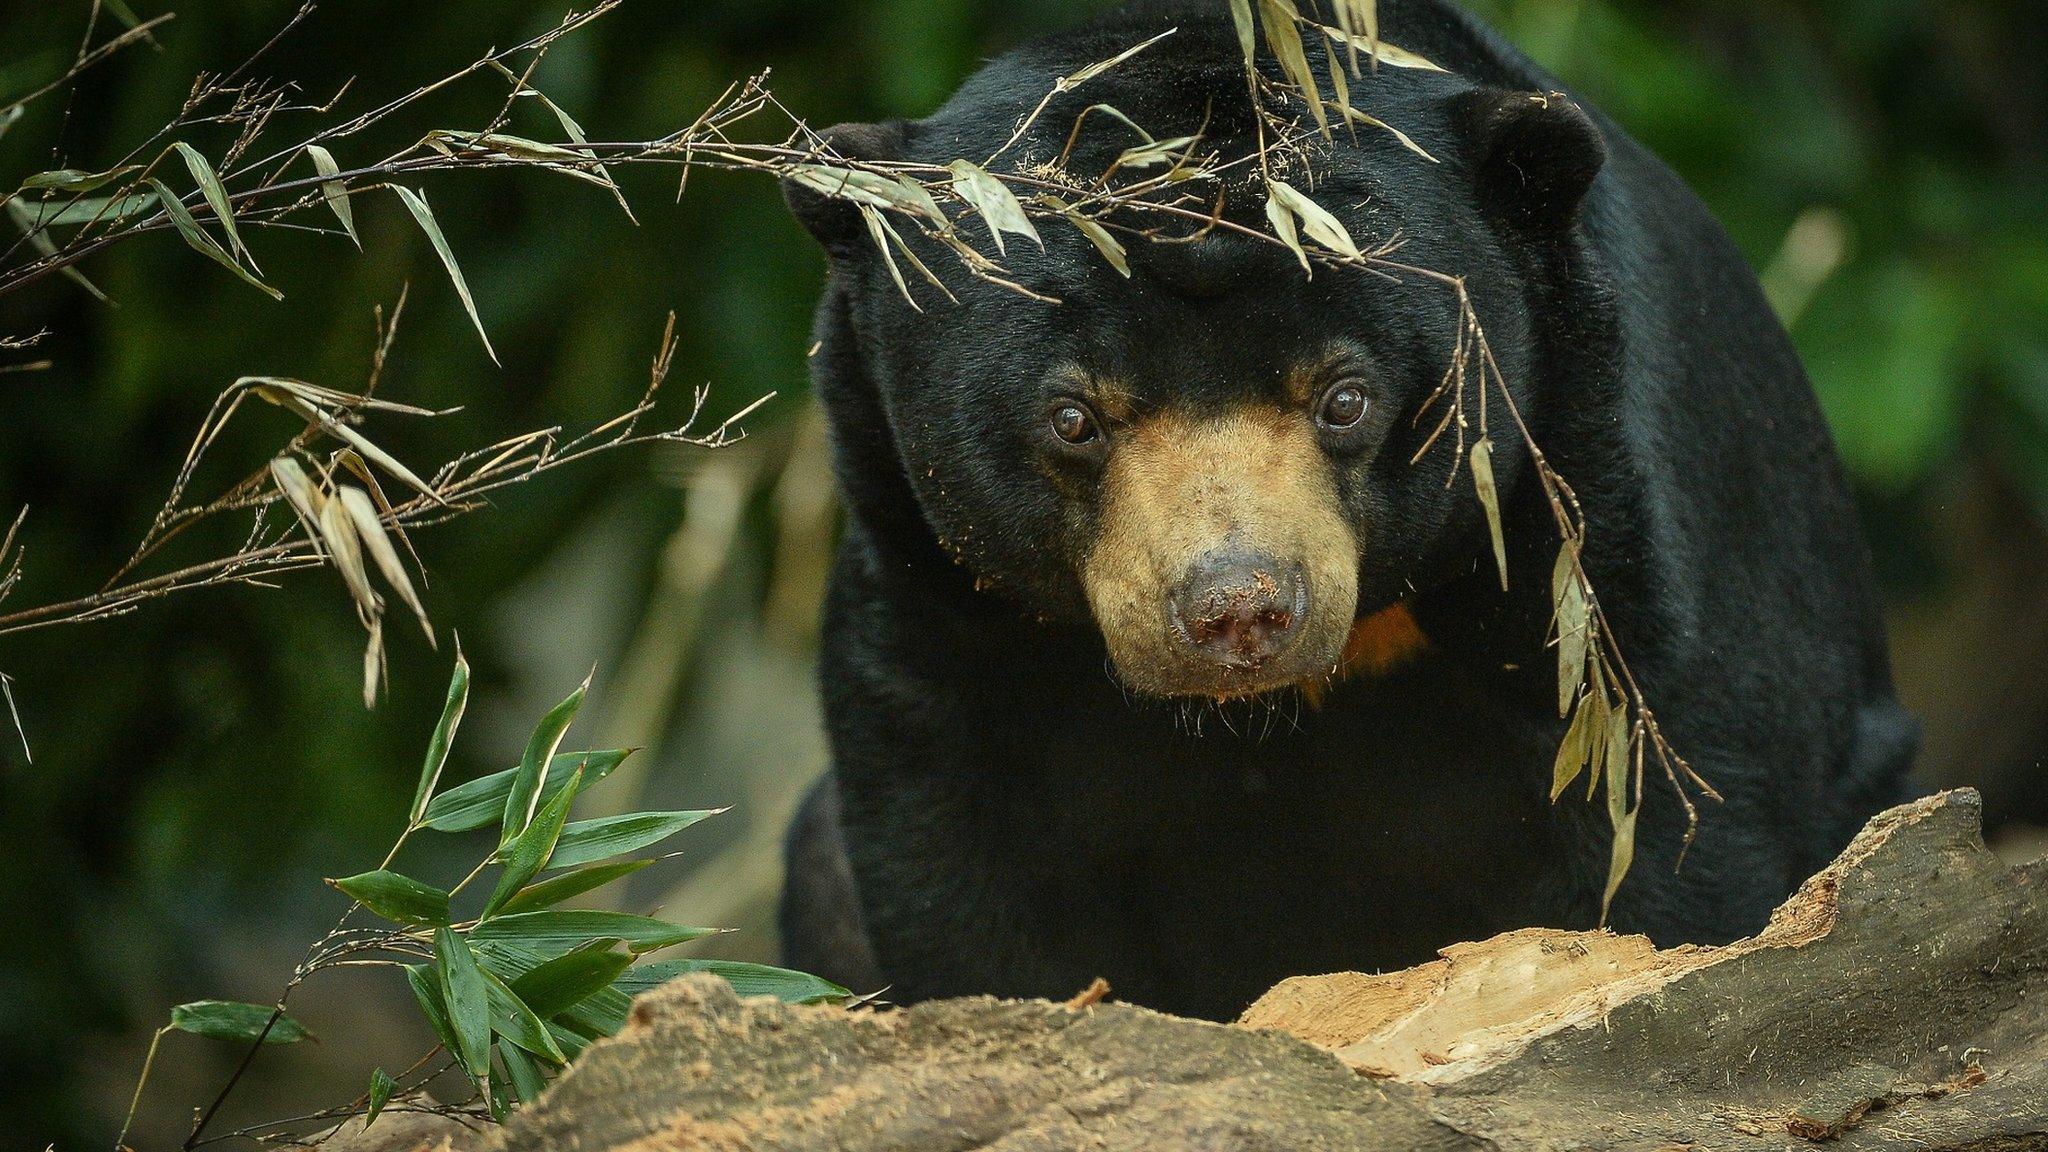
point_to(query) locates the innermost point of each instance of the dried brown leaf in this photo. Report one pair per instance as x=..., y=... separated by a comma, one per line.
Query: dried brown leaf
x=1489, y=500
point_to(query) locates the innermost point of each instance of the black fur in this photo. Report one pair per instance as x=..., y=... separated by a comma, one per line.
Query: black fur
x=1015, y=823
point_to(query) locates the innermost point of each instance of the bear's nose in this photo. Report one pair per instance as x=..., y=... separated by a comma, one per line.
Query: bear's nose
x=1238, y=608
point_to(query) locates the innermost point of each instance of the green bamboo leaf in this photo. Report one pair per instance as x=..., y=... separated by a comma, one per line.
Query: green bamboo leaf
x=528, y=1082
x=75, y=180
x=228, y=1020
x=216, y=195
x=127, y=16
x=36, y=229
x=746, y=980
x=334, y=191
x=202, y=243
x=569, y=1040
x=381, y=1087
x=514, y=1020
x=442, y=739
x=468, y=1000
x=529, y=851
x=416, y=203
x=600, y=1014
x=554, y=890
x=524, y=799
x=426, y=988
x=601, y=839
x=570, y=128
x=571, y=978
x=81, y=211
x=557, y=930
x=479, y=802
x=397, y=898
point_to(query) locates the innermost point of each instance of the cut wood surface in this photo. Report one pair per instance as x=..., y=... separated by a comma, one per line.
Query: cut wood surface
x=1898, y=1001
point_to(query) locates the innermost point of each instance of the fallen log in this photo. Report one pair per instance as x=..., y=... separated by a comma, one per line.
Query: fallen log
x=1898, y=1001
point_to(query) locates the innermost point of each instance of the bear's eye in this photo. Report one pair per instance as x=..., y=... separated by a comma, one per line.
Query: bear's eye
x=1073, y=423
x=1343, y=406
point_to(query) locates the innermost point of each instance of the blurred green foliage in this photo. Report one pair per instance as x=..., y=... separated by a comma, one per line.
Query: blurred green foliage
x=200, y=763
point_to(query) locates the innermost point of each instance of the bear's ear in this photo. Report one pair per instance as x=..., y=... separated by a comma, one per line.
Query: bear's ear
x=834, y=221
x=1533, y=155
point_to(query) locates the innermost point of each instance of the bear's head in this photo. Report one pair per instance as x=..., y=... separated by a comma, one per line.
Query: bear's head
x=1212, y=458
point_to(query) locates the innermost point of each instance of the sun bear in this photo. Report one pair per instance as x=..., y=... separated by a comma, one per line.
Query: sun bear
x=1154, y=650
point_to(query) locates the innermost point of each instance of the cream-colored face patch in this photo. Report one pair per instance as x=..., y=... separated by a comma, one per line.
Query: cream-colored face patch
x=1177, y=489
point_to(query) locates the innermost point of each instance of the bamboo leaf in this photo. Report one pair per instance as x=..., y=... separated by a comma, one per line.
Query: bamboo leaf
x=1568, y=594
x=334, y=191
x=1394, y=54
x=557, y=930
x=1247, y=32
x=205, y=245
x=1316, y=221
x=442, y=739
x=1616, y=747
x=1407, y=142
x=416, y=203
x=400, y=899
x=601, y=839
x=314, y=414
x=746, y=980
x=370, y=528
x=34, y=217
x=513, y=1019
x=339, y=533
x=467, y=998
x=528, y=1082
x=554, y=890
x=381, y=1087
x=529, y=851
x=1282, y=221
x=476, y=803
x=999, y=207
x=229, y=1020
x=569, y=979
x=525, y=796
x=373, y=661
x=1489, y=500
x=1571, y=753
x=216, y=196
x=299, y=492
x=873, y=189
x=426, y=989
x=873, y=218
x=878, y=227
x=1623, y=855
x=1097, y=235
x=1283, y=36
x=75, y=180
x=37, y=231
x=570, y=128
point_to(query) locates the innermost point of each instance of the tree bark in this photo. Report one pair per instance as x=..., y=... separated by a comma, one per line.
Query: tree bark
x=1898, y=1001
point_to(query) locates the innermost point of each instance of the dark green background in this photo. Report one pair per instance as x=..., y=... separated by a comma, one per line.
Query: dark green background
x=200, y=765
